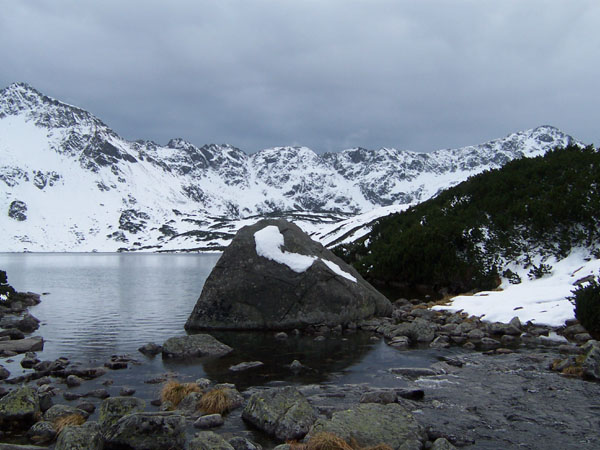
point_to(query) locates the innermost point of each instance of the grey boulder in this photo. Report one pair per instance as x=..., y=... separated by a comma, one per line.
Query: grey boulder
x=196, y=345
x=148, y=431
x=273, y=276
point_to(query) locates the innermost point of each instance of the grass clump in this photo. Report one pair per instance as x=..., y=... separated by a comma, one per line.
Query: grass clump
x=217, y=401
x=174, y=392
x=330, y=441
x=72, y=419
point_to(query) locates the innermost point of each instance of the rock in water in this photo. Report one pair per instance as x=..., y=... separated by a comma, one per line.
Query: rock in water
x=274, y=276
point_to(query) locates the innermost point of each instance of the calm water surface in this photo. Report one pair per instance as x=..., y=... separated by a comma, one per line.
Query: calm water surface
x=98, y=305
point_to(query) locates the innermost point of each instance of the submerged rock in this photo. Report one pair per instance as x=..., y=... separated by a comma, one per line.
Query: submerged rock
x=274, y=276
x=194, y=345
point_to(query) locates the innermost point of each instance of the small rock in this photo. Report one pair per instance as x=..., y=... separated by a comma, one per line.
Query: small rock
x=150, y=349
x=83, y=437
x=401, y=342
x=196, y=345
x=241, y=443
x=442, y=444
x=98, y=393
x=4, y=373
x=29, y=360
x=73, y=381
x=207, y=440
x=489, y=343
x=245, y=366
x=382, y=396
x=413, y=372
x=87, y=407
x=411, y=393
x=112, y=409
x=282, y=335
x=126, y=391
x=582, y=337
x=42, y=432
x=296, y=366
x=58, y=411
x=209, y=421
x=440, y=342
x=149, y=431
x=320, y=338
x=71, y=396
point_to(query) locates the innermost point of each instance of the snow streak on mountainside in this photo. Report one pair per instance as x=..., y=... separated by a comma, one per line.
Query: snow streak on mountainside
x=69, y=183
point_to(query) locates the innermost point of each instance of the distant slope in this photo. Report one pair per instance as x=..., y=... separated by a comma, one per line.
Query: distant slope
x=70, y=183
x=522, y=215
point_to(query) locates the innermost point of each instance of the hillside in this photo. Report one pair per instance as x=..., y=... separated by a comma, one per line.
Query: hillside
x=509, y=222
x=70, y=183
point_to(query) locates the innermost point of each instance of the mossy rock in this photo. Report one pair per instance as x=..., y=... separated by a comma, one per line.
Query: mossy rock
x=207, y=440
x=370, y=424
x=19, y=409
x=83, y=437
x=113, y=408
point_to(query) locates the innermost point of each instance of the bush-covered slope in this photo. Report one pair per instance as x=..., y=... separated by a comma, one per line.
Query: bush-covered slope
x=463, y=238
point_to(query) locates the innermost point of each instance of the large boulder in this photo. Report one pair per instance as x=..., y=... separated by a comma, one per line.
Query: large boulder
x=370, y=424
x=83, y=437
x=19, y=409
x=282, y=412
x=274, y=276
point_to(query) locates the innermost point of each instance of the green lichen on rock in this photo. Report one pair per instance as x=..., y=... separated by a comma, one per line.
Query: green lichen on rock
x=282, y=412
x=370, y=424
x=113, y=408
x=19, y=409
x=83, y=437
x=207, y=440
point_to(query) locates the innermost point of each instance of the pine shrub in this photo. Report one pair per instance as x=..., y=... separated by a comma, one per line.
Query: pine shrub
x=587, y=306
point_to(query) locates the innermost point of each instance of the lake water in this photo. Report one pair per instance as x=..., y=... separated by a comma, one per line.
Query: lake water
x=98, y=305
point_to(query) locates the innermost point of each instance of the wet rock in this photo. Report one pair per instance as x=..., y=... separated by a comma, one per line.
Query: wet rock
x=83, y=437
x=207, y=440
x=98, y=393
x=29, y=360
x=440, y=342
x=4, y=373
x=411, y=393
x=87, y=407
x=246, y=365
x=209, y=421
x=370, y=424
x=582, y=337
x=282, y=412
x=400, y=342
x=413, y=372
x=282, y=335
x=74, y=381
x=241, y=443
x=31, y=344
x=112, y=409
x=189, y=405
x=489, y=343
x=442, y=444
x=246, y=290
x=19, y=409
x=150, y=349
x=126, y=391
x=296, y=366
x=42, y=432
x=70, y=396
x=12, y=334
x=196, y=345
x=145, y=430
x=27, y=324
x=475, y=335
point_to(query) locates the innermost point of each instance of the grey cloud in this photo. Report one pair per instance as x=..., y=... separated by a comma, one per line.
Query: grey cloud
x=329, y=75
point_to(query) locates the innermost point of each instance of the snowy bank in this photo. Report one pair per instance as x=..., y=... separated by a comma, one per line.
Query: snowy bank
x=542, y=301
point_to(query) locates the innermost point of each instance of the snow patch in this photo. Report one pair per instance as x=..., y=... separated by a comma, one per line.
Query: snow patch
x=542, y=301
x=269, y=241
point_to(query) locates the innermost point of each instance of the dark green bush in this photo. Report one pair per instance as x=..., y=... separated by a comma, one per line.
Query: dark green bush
x=587, y=306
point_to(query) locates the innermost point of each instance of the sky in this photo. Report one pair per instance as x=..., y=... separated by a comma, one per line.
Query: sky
x=417, y=75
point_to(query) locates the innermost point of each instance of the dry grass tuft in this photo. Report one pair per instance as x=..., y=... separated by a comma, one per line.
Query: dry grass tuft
x=65, y=421
x=173, y=391
x=573, y=371
x=217, y=401
x=327, y=441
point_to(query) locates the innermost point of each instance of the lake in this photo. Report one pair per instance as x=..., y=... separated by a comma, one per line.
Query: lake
x=97, y=305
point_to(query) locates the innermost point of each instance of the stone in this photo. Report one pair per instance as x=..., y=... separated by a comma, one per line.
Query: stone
x=32, y=344
x=209, y=421
x=296, y=366
x=383, y=396
x=196, y=345
x=42, y=432
x=489, y=343
x=97, y=393
x=282, y=412
x=413, y=372
x=241, y=443
x=150, y=349
x=87, y=407
x=83, y=437
x=19, y=409
x=411, y=393
x=4, y=373
x=282, y=335
x=440, y=342
x=74, y=381
x=246, y=365
x=591, y=363
x=57, y=411
x=29, y=360
x=148, y=431
x=400, y=342
x=442, y=444
x=126, y=391
x=28, y=324
x=69, y=396
x=112, y=409
x=475, y=335
x=371, y=424
x=207, y=440
x=248, y=291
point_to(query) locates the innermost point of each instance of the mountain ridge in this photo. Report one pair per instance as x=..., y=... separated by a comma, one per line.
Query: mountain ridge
x=121, y=193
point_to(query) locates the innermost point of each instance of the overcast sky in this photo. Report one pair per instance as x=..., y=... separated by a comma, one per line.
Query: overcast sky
x=330, y=74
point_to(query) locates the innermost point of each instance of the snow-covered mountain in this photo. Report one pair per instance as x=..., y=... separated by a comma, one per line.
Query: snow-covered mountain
x=70, y=183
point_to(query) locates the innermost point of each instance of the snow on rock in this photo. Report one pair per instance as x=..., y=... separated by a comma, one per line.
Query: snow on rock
x=269, y=241
x=542, y=301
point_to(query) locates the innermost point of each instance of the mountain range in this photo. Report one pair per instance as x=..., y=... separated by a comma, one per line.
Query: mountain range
x=70, y=183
